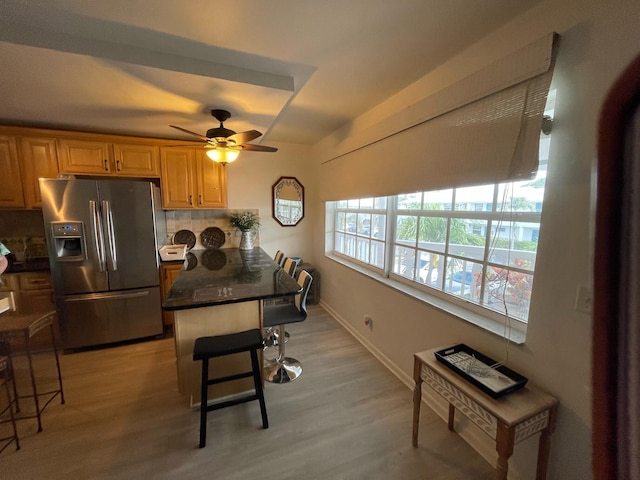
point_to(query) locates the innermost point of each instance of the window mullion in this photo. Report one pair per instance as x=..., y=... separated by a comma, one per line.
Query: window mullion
x=392, y=208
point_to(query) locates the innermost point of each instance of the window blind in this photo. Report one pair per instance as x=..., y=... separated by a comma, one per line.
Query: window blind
x=483, y=129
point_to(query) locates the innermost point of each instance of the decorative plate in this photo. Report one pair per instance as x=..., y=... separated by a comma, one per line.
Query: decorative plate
x=185, y=237
x=212, y=237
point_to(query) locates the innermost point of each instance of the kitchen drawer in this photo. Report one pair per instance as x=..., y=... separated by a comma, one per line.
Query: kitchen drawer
x=35, y=281
x=9, y=283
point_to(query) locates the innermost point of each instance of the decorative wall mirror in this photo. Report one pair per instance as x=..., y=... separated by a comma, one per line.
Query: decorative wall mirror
x=288, y=201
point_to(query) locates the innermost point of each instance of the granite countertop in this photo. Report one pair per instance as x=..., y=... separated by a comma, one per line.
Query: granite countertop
x=227, y=275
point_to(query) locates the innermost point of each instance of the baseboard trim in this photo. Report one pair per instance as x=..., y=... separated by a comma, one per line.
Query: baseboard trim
x=475, y=437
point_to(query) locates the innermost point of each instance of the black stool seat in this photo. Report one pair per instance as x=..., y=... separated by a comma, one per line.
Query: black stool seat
x=276, y=315
x=218, y=346
x=221, y=345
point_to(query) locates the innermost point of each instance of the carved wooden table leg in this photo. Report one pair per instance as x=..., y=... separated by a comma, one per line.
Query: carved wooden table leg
x=417, y=400
x=452, y=416
x=544, y=445
x=504, y=446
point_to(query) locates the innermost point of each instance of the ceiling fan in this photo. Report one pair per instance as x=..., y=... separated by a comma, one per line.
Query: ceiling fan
x=224, y=145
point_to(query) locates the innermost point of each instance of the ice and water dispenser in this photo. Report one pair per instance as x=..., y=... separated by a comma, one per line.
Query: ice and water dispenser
x=68, y=240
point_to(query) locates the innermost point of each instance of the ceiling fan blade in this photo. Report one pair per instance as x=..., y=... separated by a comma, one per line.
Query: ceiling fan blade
x=243, y=137
x=258, y=148
x=201, y=137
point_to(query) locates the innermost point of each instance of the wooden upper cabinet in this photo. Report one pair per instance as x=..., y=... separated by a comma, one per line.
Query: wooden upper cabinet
x=177, y=177
x=39, y=160
x=96, y=157
x=11, y=193
x=84, y=156
x=136, y=160
x=191, y=180
x=211, y=179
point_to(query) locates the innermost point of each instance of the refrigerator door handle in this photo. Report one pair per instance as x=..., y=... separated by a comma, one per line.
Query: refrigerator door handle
x=88, y=297
x=97, y=234
x=113, y=252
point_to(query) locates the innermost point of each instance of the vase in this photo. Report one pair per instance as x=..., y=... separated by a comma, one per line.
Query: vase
x=246, y=241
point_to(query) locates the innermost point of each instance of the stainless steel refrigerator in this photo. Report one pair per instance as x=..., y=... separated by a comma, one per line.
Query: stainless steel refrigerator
x=101, y=236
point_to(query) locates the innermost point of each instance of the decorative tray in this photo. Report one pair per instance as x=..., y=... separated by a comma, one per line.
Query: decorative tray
x=212, y=237
x=185, y=237
x=485, y=373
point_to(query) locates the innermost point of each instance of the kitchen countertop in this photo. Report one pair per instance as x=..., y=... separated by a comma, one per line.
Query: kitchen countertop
x=227, y=275
x=39, y=265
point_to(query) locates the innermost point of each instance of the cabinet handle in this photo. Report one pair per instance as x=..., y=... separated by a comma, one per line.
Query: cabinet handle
x=200, y=199
x=106, y=165
x=190, y=199
x=118, y=165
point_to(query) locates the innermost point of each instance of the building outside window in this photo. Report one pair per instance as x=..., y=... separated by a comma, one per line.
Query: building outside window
x=474, y=246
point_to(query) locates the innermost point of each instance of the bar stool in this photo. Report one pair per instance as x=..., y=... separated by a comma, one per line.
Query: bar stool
x=5, y=373
x=271, y=334
x=279, y=257
x=206, y=348
x=286, y=369
x=24, y=327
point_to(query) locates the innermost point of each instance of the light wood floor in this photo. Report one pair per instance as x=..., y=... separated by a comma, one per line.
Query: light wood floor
x=347, y=417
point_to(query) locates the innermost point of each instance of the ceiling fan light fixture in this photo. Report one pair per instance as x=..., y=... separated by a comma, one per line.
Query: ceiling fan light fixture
x=223, y=155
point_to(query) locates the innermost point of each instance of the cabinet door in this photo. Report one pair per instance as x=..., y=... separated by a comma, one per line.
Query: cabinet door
x=84, y=156
x=39, y=159
x=177, y=177
x=11, y=194
x=168, y=276
x=136, y=160
x=211, y=178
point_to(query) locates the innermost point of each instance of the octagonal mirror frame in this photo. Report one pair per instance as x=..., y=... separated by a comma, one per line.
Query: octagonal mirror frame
x=288, y=201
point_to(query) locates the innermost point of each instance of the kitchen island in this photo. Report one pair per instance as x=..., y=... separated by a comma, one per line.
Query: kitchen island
x=220, y=291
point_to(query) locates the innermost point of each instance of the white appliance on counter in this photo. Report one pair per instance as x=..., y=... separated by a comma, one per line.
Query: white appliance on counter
x=101, y=237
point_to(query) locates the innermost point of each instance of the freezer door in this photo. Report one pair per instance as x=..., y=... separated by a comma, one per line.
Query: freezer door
x=71, y=200
x=102, y=318
x=129, y=231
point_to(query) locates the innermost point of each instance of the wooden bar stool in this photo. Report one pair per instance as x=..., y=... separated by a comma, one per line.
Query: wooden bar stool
x=5, y=374
x=206, y=348
x=16, y=327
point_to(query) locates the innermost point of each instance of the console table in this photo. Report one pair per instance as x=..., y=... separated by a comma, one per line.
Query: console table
x=507, y=420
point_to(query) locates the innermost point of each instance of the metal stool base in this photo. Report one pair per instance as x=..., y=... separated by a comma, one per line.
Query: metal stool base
x=283, y=371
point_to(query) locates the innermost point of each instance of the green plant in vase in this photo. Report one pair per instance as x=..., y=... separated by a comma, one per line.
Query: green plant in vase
x=248, y=223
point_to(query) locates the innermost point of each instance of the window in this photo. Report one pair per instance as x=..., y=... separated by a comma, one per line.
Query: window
x=360, y=230
x=475, y=247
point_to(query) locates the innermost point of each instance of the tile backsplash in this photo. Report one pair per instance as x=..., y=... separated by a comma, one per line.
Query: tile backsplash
x=198, y=220
x=22, y=232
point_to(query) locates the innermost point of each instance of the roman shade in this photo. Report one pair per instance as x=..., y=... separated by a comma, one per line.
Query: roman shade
x=482, y=129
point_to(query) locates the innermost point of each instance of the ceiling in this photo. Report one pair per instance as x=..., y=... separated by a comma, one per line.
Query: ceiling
x=296, y=70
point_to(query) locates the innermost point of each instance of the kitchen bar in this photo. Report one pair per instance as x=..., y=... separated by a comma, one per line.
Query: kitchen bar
x=220, y=291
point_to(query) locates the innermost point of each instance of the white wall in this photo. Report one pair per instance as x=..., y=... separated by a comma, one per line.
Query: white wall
x=598, y=39
x=250, y=179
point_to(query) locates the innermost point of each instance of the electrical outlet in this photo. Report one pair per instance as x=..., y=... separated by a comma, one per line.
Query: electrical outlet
x=584, y=300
